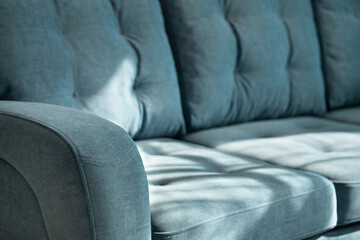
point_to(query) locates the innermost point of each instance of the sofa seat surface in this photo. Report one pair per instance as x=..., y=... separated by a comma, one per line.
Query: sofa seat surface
x=200, y=193
x=326, y=147
x=351, y=115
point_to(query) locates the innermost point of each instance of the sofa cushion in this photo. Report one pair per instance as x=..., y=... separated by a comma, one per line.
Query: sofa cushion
x=339, y=30
x=241, y=60
x=109, y=57
x=351, y=115
x=322, y=146
x=199, y=193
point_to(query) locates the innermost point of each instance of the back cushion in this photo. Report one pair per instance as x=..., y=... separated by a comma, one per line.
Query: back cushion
x=339, y=30
x=241, y=60
x=108, y=57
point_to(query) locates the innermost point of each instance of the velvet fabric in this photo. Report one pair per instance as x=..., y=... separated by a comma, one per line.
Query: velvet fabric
x=200, y=193
x=338, y=24
x=242, y=60
x=75, y=173
x=20, y=214
x=328, y=148
x=84, y=171
x=349, y=115
x=108, y=57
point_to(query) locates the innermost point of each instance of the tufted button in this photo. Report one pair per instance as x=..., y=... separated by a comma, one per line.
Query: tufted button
x=241, y=52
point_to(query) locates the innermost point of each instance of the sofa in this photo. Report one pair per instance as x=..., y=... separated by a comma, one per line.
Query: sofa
x=179, y=119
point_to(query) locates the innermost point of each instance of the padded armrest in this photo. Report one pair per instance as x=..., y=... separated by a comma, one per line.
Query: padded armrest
x=85, y=172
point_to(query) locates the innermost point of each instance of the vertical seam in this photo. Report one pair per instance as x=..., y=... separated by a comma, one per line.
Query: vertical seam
x=42, y=215
x=178, y=65
x=322, y=52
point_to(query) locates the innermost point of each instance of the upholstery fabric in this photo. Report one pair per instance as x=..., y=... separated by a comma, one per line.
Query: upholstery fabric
x=241, y=60
x=350, y=115
x=339, y=30
x=322, y=146
x=199, y=193
x=108, y=57
x=20, y=214
x=85, y=172
x=349, y=232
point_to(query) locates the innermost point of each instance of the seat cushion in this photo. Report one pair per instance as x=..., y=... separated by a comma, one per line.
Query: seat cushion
x=199, y=193
x=338, y=24
x=351, y=115
x=108, y=57
x=322, y=146
x=240, y=60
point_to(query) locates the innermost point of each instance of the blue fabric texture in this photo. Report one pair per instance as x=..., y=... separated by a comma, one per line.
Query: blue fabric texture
x=20, y=214
x=111, y=58
x=325, y=147
x=350, y=115
x=85, y=172
x=242, y=60
x=200, y=193
x=339, y=30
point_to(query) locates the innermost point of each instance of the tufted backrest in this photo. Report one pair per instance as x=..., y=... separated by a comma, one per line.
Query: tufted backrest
x=339, y=30
x=241, y=60
x=108, y=57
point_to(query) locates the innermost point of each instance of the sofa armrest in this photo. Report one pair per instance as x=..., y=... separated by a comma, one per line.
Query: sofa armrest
x=85, y=172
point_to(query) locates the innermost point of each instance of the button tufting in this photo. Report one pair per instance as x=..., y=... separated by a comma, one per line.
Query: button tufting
x=242, y=59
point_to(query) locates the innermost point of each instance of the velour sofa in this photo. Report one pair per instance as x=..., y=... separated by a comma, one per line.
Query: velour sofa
x=179, y=119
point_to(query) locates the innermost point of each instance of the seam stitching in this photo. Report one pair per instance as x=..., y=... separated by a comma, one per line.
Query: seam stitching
x=241, y=211
x=112, y=164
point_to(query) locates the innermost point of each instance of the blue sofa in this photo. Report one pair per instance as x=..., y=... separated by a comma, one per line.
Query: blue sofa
x=179, y=119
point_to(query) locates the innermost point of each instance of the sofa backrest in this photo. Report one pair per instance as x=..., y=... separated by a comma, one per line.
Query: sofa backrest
x=241, y=60
x=339, y=30
x=108, y=57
